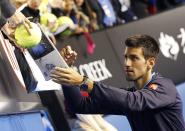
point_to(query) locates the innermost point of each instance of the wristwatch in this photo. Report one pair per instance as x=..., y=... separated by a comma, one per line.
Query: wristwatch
x=84, y=85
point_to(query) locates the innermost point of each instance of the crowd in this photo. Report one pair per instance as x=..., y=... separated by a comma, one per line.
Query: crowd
x=89, y=15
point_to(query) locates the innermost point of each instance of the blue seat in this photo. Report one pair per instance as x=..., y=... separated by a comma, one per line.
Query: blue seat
x=119, y=122
x=30, y=121
x=181, y=90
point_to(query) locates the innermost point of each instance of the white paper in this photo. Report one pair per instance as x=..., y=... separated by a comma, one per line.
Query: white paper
x=38, y=68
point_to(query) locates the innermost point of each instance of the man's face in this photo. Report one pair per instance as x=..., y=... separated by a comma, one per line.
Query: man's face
x=135, y=65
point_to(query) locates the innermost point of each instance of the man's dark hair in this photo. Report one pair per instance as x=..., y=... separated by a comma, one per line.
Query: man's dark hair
x=149, y=44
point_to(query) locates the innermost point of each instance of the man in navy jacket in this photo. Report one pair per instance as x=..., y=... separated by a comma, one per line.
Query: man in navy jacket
x=153, y=104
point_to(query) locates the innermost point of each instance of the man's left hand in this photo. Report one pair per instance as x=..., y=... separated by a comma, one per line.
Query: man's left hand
x=66, y=76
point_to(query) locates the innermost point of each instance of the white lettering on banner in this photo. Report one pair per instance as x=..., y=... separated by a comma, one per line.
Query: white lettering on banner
x=97, y=70
x=169, y=46
x=182, y=37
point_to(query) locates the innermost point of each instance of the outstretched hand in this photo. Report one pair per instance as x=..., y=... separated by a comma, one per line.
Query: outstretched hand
x=66, y=76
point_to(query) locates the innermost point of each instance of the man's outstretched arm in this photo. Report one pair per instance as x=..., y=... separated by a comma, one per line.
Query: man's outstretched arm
x=111, y=100
x=72, y=80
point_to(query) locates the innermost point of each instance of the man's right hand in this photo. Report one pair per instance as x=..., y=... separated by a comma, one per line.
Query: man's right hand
x=69, y=55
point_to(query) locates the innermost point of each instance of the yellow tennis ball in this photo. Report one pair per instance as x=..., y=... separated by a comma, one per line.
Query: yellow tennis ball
x=47, y=16
x=26, y=40
x=65, y=20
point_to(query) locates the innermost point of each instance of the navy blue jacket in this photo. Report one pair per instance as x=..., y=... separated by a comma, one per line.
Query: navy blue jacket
x=148, y=109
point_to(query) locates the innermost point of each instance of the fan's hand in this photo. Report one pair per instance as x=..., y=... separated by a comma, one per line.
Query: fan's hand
x=12, y=23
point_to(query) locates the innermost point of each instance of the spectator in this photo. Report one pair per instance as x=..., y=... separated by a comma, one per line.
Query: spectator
x=96, y=7
x=79, y=18
x=109, y=18
x=167, y=4
x=123, y=11
x=57, y=7
x=32, y=10
x=152, y=6
x=140, y=8
x=84, y=7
